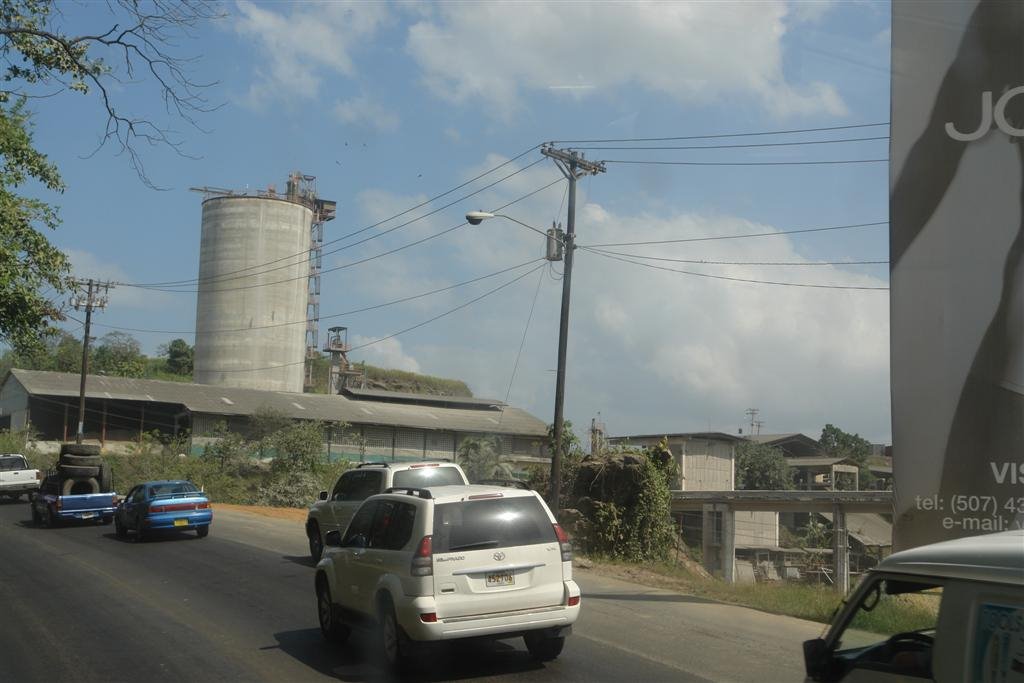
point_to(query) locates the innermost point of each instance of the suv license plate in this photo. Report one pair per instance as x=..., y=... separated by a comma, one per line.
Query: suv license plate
x=88, y=515
x=181, y=522
x=500, y=579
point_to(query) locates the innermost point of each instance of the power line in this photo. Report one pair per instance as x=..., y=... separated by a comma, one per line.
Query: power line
x=709, y=262
x=407, y=329
x=734, y=279
x=363, y=260
x=742, y=236
x=743, y=146
x=225, y=277
x=374, y=307
x=522, y=343
x=744, y=163
x=726, y=135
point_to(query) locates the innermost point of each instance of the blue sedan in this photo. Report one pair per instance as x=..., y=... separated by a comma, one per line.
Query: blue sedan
x=163, y=505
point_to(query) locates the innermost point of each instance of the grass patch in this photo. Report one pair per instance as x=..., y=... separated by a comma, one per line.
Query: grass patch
x=894, y=614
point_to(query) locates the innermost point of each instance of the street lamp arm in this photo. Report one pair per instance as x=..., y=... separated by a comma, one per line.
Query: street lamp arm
x=477, y=217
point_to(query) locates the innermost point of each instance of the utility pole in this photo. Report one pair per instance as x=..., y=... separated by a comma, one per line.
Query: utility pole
x=752, y=414
x=89, y=300
x=573, y=166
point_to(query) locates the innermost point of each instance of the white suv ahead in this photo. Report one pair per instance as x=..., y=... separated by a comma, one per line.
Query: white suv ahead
x=334, y=511
x=449, y=562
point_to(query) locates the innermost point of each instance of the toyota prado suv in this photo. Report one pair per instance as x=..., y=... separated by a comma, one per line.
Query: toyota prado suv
x=429, y=564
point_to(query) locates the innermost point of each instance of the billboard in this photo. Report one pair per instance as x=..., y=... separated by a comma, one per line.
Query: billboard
x=957, y=268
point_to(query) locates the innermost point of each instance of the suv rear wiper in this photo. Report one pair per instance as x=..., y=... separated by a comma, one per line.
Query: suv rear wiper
x=478, y=544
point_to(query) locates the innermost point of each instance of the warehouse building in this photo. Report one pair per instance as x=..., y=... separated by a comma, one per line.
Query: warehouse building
x=364, y=424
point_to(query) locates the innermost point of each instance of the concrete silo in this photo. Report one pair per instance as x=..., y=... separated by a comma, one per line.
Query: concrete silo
x=254, y=270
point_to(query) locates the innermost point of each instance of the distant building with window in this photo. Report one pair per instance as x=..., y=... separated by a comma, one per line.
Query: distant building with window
x=363, y=424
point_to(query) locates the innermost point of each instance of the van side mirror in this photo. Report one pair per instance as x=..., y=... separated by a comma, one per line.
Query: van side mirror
x=816, y=658
x=333, y=538
x=323, y=495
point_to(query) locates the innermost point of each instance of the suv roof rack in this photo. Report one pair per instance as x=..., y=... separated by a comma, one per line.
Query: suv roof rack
x=410, y=490
x=372, y=464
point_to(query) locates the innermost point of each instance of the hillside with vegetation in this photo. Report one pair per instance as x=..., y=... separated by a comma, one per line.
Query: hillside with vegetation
x=117, y=354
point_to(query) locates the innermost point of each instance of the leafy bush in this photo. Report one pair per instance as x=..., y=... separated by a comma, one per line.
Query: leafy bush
x=296, y=487
x=624, y=503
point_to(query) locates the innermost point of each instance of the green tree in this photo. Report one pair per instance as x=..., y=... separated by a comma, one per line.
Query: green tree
x=263, y=424
x=28, y=262
x=572, y=456
x=41, y=58
x=839, y=444
x=760, y=467
x=299, y=446
x=179, y=356
x=481, y=458
x=118, y=354
x=227, y=450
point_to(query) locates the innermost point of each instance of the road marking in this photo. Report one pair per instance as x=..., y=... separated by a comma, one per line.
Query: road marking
x=641, y=655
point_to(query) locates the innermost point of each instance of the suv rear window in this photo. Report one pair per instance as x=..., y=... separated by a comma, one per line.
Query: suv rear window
x=422, y=477
x=491, y=523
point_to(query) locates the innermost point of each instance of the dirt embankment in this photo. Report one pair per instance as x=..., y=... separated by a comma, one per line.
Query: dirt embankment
x=294, y=514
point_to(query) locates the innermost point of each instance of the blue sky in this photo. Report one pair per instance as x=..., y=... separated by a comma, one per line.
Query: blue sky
x=390, y=104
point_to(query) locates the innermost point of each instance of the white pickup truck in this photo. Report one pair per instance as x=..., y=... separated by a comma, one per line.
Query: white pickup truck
x=16, y=477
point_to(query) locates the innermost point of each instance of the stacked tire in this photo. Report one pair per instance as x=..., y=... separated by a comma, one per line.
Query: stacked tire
x=82, y=470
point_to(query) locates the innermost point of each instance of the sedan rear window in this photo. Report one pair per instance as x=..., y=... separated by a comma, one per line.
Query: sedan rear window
x=491, y=523
x=172, y=488
x=422, y=477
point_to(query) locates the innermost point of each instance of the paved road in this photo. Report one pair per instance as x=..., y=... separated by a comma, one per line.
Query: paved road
x=78, y=604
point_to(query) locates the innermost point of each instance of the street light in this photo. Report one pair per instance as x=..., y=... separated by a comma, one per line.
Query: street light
x=478, y=217
x=555, y=481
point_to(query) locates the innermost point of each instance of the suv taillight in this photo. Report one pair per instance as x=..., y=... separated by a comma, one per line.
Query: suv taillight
x=563, y=541
x=423, y=560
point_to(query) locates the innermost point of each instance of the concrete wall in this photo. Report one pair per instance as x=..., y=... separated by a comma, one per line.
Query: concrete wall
x=240, y=233
x=14, y=404
x=707, y=466
x=757, y=529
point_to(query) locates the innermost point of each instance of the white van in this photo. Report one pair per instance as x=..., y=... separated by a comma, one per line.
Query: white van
x=946, y=612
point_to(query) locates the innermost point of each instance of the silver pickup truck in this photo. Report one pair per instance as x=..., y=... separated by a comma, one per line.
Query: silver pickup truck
x=16, y=477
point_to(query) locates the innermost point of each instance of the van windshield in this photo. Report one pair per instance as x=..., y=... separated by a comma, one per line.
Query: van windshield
x=422, y=477
x=491, y=523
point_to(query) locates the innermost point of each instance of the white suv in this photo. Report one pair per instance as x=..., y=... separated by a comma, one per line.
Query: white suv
x=450, y=562
x=334, y=511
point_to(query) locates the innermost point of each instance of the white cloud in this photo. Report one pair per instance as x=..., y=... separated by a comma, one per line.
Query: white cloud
x=651, y=350
x=86, y=264
x=386, y=354
x=364, y=111
x=453, y=134
x=810, y=10
x=694, y=52
x=300, y=44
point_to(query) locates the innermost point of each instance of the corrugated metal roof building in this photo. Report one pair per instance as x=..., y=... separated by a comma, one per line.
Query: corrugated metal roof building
x=392, y=425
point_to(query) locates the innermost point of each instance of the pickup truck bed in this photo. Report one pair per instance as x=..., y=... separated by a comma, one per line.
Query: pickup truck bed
x=50, y=508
